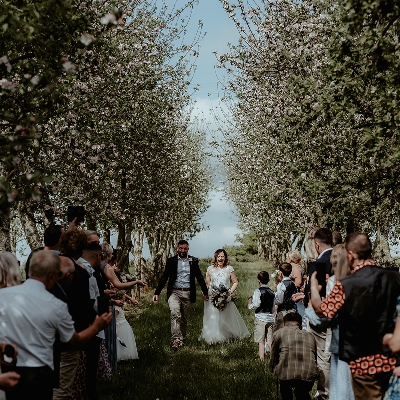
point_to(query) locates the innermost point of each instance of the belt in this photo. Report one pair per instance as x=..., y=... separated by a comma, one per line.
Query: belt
x=181, y=288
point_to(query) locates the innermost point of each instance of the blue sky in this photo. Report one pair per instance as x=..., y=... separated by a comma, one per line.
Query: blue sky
x=219, y=31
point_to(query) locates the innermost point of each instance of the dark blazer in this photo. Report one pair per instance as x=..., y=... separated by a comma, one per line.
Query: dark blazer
x=80, y=305
x=325, y=259
x=171, y=271
x=367, y=312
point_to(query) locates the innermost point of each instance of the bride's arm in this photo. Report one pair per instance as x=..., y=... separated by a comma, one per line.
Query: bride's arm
x=208, y=279
x=234, y=282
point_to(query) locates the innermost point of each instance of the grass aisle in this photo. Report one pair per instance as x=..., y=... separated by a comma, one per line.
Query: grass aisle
x=198, y=371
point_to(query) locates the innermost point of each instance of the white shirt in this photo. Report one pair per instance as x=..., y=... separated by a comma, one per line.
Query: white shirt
x=94, y=291
x=280, y=291
x=30, y=316
x=183, y=275
x=255, y=303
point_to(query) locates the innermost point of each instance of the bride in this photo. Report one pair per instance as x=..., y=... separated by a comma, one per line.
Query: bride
x=224, y=322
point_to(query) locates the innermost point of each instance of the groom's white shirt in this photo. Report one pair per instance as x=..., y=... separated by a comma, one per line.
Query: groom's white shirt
x=183, y=274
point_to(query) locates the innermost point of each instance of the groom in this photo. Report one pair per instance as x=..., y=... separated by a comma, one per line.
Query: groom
x=180, y=272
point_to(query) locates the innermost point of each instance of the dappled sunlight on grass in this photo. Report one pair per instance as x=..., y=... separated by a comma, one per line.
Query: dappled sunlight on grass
x=197, y=371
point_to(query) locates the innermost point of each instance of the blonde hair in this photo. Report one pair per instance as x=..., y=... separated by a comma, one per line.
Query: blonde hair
x=339, y=262
x=294, y=256
x=10, y=274
x=106, y=251
x=309, y=246
x=278, y=277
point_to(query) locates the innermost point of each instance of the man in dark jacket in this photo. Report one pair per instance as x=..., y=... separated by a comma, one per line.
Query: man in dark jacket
x=323, y=245
x=365, y=302
x=181, y=272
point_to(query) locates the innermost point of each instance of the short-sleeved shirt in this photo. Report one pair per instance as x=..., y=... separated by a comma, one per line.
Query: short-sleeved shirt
x=30, y=316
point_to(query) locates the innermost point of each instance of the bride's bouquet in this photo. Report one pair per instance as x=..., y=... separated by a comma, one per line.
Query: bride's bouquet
x=221, y=296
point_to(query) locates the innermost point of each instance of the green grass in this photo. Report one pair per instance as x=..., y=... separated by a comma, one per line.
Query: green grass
x=230, y=370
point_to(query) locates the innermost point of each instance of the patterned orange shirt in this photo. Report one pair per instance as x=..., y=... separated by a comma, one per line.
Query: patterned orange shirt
x=373, y=364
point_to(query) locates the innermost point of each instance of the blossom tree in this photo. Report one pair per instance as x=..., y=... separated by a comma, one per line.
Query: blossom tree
x=307, y=146
x=124, y=145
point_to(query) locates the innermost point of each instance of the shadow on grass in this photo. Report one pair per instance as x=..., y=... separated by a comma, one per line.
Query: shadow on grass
x=229, y=370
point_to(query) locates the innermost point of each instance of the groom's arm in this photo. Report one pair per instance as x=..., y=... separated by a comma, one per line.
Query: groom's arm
x=200, y=279
x=164, y=278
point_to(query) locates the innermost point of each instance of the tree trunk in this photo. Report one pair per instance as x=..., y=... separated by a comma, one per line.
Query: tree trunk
x=16, y=232
x=158, y=242
x=350, y=227
x=381, y=250
x=90, y=223
x=262, y=248
x=5, y=233
x=28, y=222
x=138, y=237
x=107, y=235
x=124, y=245
x=140, y=267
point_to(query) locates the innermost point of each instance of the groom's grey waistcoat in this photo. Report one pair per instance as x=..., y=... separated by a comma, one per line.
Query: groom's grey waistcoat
x=170, y=274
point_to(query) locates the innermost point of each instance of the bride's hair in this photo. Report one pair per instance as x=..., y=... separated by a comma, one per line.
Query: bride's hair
x=226, y=261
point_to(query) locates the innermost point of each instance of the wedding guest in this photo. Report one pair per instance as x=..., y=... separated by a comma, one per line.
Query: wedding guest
x=51, y=239
x=283, y=296
x=293, y=257
x=336, y=238
x=10, y=274
x=42, y=315
x=181, y=272
x=65, y=358
x=340, y=382
x=105, y=286
x=80, y=305
x=8, y=379
x=108, y=270
x=126, y=346
x=392, y=340
x=72, y=244
x=309, y=247
x=92, y=258
x=262, y=302
x=365, y=302
x=293, y=359
x=323, y=246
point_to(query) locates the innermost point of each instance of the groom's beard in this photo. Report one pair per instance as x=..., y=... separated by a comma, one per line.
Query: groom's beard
x=183, y=255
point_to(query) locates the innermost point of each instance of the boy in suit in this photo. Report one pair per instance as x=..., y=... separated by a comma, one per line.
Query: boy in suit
x=262, y=302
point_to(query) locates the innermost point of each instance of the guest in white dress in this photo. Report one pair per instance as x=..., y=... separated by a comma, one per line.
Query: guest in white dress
x=126, y=343
x=221, y=321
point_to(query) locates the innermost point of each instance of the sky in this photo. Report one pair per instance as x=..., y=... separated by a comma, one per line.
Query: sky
x=219, y=29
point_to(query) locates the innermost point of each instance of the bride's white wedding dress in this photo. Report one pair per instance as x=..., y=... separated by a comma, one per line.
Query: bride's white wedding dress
x=226, y=324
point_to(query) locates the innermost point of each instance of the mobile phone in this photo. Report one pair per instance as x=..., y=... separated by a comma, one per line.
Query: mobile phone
x=77, y=212
x=321, y=274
